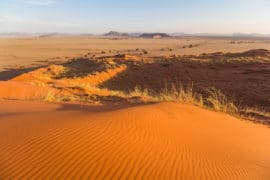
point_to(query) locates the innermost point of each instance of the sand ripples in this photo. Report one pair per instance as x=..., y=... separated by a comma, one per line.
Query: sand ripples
x=137, y=143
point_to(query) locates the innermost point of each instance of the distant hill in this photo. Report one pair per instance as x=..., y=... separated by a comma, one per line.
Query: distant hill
x=47, y=35
x=116, y=34
x=154, y=35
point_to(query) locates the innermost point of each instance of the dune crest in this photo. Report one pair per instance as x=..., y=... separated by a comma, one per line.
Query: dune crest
x=159, y=141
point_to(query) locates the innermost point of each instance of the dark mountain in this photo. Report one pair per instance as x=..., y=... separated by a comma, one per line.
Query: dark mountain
x=154, y=35
x=116, y=34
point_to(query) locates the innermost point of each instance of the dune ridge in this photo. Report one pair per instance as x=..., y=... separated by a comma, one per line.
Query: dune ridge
x=158, y=141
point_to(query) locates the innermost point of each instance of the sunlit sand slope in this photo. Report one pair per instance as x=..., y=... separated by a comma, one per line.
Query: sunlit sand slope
x=159, y=141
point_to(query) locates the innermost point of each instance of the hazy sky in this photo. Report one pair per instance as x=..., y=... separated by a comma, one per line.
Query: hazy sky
x=98, y=16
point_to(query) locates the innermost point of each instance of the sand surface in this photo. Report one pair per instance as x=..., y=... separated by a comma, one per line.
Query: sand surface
x=157, y=141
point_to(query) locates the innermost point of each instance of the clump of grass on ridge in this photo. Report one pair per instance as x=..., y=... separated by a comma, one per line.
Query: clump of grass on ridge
x=180, y=94
x=214, y=100
x=217, y=101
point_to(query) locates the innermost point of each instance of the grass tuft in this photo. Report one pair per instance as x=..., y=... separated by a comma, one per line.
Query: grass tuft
x=213, y=99
x=217, y=101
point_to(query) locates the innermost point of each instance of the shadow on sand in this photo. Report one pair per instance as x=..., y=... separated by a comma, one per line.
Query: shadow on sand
x=10, y=73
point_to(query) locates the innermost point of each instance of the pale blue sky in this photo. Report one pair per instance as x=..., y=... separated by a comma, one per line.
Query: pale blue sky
x=98, y=16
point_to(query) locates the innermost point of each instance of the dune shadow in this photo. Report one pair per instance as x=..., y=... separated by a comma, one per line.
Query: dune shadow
x=99, y=108
x=10, y=73
x=108, y=104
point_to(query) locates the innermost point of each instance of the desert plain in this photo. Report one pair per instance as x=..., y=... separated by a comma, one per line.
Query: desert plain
x=135, y=108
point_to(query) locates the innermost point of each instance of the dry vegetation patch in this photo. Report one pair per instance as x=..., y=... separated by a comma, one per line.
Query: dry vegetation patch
x=206, y=81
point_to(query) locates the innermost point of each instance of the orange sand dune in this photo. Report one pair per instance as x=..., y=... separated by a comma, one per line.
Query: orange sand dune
x=41, y=83
x=159, y=141
x=22, y=90
x=45, y=75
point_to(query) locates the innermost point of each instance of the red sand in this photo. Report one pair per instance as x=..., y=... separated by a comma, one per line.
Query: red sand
x=159, y=141
x=21, y=90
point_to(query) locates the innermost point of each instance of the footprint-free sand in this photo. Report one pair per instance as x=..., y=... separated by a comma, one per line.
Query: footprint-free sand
x=156, y=141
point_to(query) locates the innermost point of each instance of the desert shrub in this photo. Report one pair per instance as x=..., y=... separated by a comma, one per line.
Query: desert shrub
x=165, y=64
x=180, y=94
x=139, y=92
x=53, y=97
x=144, y=51
x=217, y=101
x=255, y=113
x=169, y=94
x=214, y=99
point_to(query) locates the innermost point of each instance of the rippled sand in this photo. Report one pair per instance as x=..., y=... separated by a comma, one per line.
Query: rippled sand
x=158, y=141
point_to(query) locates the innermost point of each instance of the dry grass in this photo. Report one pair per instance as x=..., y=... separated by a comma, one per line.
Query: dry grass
x=59, y=98
x=214, y=100
x=168, y=94
x=217, y=101
x=257, y=111
x=144, y=94
x=256, y=114
x=180, y=94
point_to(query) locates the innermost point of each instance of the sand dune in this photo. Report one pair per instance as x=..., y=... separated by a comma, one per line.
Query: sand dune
x=16, y=90
x=158, y=141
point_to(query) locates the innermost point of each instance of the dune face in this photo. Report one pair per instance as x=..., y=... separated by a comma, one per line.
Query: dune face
x=158, y=141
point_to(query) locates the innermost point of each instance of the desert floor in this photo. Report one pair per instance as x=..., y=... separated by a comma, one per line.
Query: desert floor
x=158, y=141
x=85, y=108
x=23, y=52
